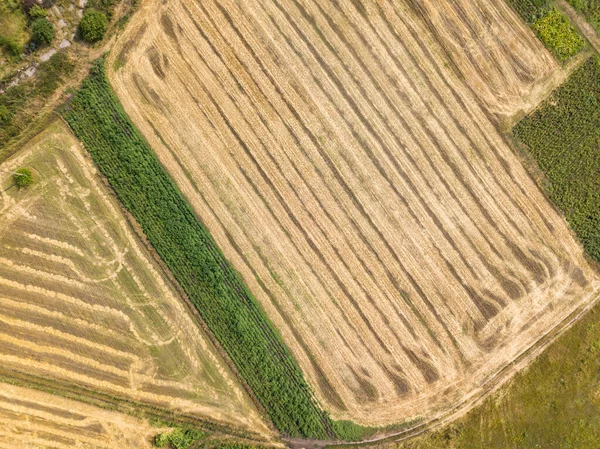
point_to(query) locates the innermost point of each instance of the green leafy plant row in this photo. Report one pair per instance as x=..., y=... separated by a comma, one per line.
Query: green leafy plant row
x=215, y=288
x=564, y=136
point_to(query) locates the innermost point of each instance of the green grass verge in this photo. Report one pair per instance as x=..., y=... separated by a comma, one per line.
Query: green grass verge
x=214, y=287
x=564, y=137
x=590, y=9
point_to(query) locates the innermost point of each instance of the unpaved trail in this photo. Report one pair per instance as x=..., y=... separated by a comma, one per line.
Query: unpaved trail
x=360, y=186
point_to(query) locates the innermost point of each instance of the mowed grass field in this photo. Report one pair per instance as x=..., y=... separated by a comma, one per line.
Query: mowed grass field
x=33, y=419
x=83, y=303
x=360, y=188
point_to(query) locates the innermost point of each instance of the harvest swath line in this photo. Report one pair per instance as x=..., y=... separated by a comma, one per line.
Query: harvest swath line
x=360, y=187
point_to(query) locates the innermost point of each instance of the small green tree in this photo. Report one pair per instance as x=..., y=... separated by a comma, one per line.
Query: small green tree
x=5, y=115
x=42, y=31
x=23, y=177
x=37, y=12
x=93, y=25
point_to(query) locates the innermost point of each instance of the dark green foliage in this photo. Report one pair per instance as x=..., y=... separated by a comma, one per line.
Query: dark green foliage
x=23, y=177
x=42, y=31
x=590, y=9
x=11, y=46
x=564, y=136
x=556, y=32
x=529, y=10
x=93, y=25
x=179, y=438
x=214, y=287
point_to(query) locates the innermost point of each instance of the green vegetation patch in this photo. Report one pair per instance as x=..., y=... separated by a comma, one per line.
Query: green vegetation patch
x=214, y=287
x=23, y=177
x=529, y=10
x=179, y=438
x=551, y=26
x=20, y=104
x=590, y=9
x=564, y=136
x=13, y=28
x=93, y=25
x=556, y=32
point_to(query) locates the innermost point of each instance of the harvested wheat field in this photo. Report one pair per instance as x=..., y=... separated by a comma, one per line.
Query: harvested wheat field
x=33, y=419
x=496, y=53
x=358, y=185
x=81, y=301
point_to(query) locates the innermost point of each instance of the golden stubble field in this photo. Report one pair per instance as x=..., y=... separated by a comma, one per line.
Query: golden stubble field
x=33, y=419
x=83, y=303
x=359, y=185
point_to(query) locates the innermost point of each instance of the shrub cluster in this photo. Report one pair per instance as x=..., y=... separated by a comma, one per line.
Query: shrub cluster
x=231, y=312
x=551, y=26
x=93, y=25
x=564, y=136
x=556, y=32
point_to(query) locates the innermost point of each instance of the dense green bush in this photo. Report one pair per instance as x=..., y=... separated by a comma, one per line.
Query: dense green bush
x=564, y=136
x=555, y=30
x=23, y=178
x=42, y=31
x=590, y=9
x=231, y=312
x=11, y=46
x=37, y=12
x=530, y=10
x=93, y=25
x=179, y=438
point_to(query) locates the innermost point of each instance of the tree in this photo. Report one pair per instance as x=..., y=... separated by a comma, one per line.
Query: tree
x=93, y=25
x=23, y=177
x=42, y=31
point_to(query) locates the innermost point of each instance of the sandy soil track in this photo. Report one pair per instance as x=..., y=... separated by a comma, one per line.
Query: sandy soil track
x=359, y=186
x=82, y=302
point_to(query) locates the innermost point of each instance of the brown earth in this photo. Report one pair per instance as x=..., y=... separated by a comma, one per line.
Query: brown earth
x=356, y=180
x=81, y=300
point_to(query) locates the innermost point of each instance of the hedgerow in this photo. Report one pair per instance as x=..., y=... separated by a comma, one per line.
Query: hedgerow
x=214, y=287
x=564, y=136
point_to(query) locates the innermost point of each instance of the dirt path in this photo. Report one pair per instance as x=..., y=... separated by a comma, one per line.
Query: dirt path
x=582, y=25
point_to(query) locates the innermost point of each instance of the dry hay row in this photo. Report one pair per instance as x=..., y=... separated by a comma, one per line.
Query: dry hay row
x=383, y=222
x=34, y=419
x=80, y=300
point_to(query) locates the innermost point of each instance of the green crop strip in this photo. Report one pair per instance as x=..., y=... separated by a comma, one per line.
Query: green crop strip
x=564, y=136
x=214, y=287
